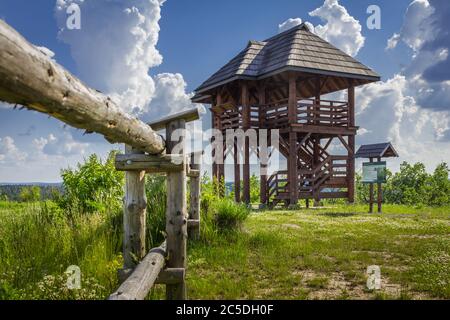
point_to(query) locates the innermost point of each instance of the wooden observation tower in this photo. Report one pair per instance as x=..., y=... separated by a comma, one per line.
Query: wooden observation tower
x=279, y=83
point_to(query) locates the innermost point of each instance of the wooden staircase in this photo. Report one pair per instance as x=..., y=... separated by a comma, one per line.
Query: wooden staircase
x=324, y=179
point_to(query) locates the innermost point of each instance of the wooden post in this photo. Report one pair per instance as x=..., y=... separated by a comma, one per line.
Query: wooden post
x=371, y=193
x=213, y=152
x=263, y=167
x=292, y=160
x=135, y=205
x=380, y=194
x=237, y=174
x=194, y=205
x=176, y=215
x=221, y=165
x=351, y=145
x=316, y=163
x=246, y=125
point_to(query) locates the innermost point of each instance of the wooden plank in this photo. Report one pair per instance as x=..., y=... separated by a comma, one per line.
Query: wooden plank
x=134, y=215
x=149, y=163
x=187, y=115
x=30, y=78
x=142, y=279
x=176, y=215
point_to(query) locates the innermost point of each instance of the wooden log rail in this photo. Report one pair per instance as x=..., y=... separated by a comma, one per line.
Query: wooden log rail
x=30, y=78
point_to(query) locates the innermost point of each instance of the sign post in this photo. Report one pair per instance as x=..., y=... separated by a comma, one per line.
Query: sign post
x=374, y=172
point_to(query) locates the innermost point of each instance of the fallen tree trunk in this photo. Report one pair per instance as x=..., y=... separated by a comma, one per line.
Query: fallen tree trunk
x=30, y=78
x=142, y=279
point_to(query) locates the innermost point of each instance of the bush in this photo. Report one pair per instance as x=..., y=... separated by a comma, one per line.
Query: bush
x=93, y=186
x=30, y=194
x=228, y=215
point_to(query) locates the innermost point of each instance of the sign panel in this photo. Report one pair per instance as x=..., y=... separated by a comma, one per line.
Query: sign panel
x=374, y=172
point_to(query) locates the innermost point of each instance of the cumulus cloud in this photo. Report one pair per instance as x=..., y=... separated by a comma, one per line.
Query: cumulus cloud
x=64, y=145
x=417, y=26
x=412, y=109
x=340, y=29
x=9, y=151
x=114, y=50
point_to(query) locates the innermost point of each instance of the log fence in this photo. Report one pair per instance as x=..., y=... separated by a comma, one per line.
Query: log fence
x=33, y=80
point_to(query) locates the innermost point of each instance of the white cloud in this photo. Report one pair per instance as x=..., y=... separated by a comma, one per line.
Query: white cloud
x=65, y=145
x=417, y=27
x=115, y=49
x=340, y=29
x=9, y=151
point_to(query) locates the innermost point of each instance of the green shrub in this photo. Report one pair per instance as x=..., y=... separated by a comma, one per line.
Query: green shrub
x=228, y=215
x=94, y=186
x=30, y=194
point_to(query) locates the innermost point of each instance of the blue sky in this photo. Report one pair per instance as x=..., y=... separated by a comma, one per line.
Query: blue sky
x=198, y=37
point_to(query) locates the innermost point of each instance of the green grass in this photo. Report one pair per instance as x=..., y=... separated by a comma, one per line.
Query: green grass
x=324, y=254
x=38, y=242
x=303, y=254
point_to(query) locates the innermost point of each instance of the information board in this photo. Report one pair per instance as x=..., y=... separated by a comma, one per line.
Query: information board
x=374, y=172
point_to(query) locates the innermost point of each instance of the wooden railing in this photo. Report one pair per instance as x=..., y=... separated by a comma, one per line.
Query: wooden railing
x=332, y=169
x=326, y=113
x=31, y=79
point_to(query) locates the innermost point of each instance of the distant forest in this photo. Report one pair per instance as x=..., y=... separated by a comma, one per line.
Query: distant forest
x=12, y=192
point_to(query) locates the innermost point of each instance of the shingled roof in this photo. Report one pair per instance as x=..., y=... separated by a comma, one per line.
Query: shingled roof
x=296, y=49
x=379, y=150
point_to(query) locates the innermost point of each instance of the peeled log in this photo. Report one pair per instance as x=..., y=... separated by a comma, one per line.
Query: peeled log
x=30, y=78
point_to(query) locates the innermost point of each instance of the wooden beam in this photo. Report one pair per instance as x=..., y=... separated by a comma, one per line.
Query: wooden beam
x=321, y=129
x=246, y=125
x=30, y=78
x=293, y=155
x=351, y=143
x=176, y=215
x=345, y=144
x=187, y=116
x=149, y=163
x=134, y=215
x=263, y=167
x=143, y=277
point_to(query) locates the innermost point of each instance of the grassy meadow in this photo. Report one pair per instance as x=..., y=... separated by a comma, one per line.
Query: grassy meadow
x=304, y=254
